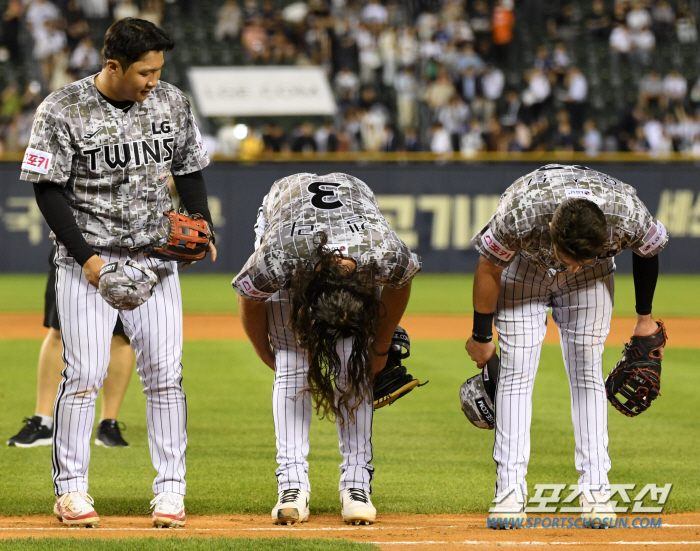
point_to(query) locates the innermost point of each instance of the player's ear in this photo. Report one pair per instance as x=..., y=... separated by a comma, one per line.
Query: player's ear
x=114, y=68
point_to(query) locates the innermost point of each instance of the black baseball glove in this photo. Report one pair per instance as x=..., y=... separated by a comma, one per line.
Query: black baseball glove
x=393, y=382
x=637, y=376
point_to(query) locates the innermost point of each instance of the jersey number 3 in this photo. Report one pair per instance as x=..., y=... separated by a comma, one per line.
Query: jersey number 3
x=324, y=199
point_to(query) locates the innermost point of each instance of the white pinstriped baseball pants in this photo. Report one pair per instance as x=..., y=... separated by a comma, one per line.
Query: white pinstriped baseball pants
x=581, y=307
x=155, y=331
x=292, y=411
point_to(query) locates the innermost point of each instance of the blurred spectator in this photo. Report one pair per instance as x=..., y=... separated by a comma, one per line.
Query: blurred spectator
x=472, y=141
x=469, y=84
x=406, y=86
x=125, y=8
x=372, y=126
x=511, y=114
x=48, y=42
x=439, y=92
x=651, y=90
x=374, y=13
x=560, y=61
x=643, y=44
x=522, y=138
x=576, y=97
x=675, y=88
x=326, y=138
x=407, y=46
x=85, y=59
x=440, y=141
x=252, y=145
x=502, y=27
x=387, y=53
x=638, y=17
x=369, y=57
x=390, y=142
x=663, y=20
x=592, y=140
x=543, y=60
x=411, y=142
x=95, y=9
x=453, y=117
x=599, y=23
x=11, y=24
x=468, y=58
x=537, y=94
x=254, y=40
x=11, y=102
x=227, y=141
x=564, y=137
x=620, y=41
x=76, y=25
x=151, y=10
x=38, y=13
x=347, y=86
x=274, y=139
x=304, y=141
x=686, y=27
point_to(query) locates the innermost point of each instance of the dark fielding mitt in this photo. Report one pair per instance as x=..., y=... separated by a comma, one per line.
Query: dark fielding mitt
x=637, y=376
x=188, y=239
x=393, y=382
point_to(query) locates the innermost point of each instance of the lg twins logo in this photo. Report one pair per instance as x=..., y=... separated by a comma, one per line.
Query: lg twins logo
x=494, y=247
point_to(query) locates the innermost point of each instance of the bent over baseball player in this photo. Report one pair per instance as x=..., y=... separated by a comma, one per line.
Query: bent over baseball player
x=320, y=299
x=100, y=155
x=551, y=244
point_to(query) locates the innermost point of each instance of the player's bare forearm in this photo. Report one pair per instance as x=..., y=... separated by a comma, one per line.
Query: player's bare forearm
x=487, y=286
x=254, y=321
x=394, y=303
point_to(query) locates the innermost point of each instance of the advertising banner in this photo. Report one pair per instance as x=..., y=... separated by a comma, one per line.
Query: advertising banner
x=253, y=91
x=435, y=209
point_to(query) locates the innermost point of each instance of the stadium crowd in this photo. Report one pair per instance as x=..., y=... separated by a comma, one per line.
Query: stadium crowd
x=421, y=75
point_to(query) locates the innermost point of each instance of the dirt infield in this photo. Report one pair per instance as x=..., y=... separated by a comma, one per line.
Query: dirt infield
x=390, y=532
x=682, y=332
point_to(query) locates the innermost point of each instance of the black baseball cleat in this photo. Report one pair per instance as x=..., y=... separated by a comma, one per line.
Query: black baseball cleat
x=32, y=434
x=109, y=434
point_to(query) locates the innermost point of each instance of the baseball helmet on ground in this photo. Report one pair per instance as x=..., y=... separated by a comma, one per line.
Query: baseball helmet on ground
x=478, y=396
x=125, y=284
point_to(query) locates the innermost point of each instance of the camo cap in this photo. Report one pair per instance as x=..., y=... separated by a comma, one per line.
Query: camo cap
x=120, y=290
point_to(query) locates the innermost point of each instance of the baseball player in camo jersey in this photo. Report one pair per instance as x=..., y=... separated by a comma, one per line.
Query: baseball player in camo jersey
x=100, y=155
x=551, y=244
x=320, y=299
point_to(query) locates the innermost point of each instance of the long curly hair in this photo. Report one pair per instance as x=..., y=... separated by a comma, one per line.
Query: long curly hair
x=330, y=303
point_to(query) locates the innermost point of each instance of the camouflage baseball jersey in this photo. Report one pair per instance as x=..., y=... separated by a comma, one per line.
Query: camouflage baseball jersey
x=340, y=205
x=520, y=224
x=114, y=165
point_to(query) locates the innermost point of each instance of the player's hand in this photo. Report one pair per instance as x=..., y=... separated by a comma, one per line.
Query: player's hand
x=480, y=352
x=212, y=251
x=92, y=268
x=644, y=327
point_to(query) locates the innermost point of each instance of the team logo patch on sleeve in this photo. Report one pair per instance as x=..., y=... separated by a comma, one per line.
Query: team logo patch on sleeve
x=654, y=237
x=492, y=245
x=246, y=285
x=36, y=161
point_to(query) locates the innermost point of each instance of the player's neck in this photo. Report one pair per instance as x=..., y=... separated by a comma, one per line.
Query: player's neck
x=104, y=86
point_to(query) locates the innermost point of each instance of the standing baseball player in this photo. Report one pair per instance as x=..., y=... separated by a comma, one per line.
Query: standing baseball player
x=320, y=299
x=550, y=244
x=38, y=429
x=100, y=155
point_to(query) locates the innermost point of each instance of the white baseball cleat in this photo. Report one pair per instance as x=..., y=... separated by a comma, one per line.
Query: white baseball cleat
x=75, y=509
x=292, y=507
x=508, y=514
x=168, y=510
x=357, y=506
x=599, y=513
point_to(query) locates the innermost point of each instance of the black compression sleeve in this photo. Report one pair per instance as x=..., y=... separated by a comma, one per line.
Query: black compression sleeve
x=645, y=272
x=54, y=206
x=193, y=194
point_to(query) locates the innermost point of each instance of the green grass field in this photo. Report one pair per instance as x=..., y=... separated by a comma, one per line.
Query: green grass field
x=428, y=458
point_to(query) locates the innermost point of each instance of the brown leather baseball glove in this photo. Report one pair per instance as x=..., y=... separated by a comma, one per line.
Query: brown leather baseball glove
x=188, y=239
x=637, y=376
